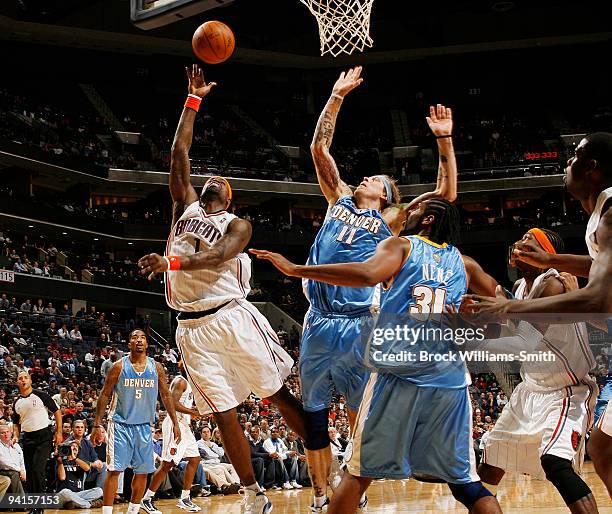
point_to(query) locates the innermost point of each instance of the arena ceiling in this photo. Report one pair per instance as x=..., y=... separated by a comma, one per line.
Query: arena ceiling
x=287, y=26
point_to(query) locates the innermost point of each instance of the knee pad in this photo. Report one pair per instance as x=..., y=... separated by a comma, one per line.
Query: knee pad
x=469, y=494
x=562, y=475
x=317, y=436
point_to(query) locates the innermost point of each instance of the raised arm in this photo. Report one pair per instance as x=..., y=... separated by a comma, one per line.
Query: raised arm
x=327, y=171
x=166, y=397
x=440, y=121
x=112, y=377
x=381, y=267
x=181, y=190
x=227, y=247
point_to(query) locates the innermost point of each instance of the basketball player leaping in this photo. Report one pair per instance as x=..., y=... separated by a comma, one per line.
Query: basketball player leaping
x=172, y=453
x=133, y=382
x=542, y=429
x=356, y=222
x=414, y=419
x=588, y=179
x=228, y=347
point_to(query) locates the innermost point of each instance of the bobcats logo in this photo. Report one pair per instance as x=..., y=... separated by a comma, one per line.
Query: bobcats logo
x=575, y=439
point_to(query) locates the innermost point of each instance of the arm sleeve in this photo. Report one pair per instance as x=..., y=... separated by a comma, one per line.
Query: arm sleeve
x=47, y=401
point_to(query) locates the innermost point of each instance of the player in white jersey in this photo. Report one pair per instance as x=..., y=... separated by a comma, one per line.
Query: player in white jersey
x=543, y=427
x=588, y=178
x=229, y=349
x=172, y=453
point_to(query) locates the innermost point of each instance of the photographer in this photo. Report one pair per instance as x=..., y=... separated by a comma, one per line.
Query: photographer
x=71, y=472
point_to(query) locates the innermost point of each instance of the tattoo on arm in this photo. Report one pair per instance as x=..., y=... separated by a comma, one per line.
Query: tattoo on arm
x=111, y=380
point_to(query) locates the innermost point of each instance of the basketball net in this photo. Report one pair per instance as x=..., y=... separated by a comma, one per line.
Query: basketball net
x=344, y=25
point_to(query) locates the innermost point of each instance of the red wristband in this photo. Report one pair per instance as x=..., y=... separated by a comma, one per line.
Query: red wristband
x=193, y=102
x=174, y=262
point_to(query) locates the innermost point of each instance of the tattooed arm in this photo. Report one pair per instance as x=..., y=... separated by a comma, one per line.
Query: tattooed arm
x=327, y=171
x=181, y=190
x=109, y=384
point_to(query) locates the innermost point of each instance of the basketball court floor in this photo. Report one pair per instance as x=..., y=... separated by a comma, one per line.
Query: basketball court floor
x=518, y=494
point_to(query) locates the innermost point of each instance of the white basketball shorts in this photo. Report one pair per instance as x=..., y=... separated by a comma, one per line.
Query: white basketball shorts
x=188, y=447
x=229, y=354
x=535, y=423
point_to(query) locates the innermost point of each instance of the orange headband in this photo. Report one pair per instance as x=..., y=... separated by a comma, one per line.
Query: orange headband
x=542, y=238
x=229, y=188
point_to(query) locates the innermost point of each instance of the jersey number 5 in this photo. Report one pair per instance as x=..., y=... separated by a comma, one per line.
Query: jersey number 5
x=427, y=300
x=138, y=394
x=342, y=234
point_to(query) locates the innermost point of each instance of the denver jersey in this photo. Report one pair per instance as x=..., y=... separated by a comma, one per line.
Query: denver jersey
x=348, y=234
x=432, y=277
x=135, y=394
x=203, y=289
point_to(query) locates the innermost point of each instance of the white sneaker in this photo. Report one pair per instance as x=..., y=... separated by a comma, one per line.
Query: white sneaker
x=149, y=507
x=257, y=503
x=295, y=485
x=362, y=506
x=287, y=485
x=188, y=505
x=323, y=507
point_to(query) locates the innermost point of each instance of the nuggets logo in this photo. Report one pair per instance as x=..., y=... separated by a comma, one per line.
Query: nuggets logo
x=437, y=258
x=575, y=439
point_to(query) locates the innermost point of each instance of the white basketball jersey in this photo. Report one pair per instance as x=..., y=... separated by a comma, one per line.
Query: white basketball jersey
x=200, y=290
x=186, y=400
x=590, y=236
x=569, y=343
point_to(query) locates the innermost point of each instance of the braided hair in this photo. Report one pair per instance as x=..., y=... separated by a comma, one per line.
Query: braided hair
x=555, y=240
x=446, y=228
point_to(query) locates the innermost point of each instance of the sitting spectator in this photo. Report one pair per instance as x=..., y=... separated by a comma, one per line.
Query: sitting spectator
x=52, y=331
x=75, y=334
x=20, y=267
x=10, y=369
x=66, y=430
x=61, y=398
x=4, y=303
x=260, y=459
x=12, y=464
x=296, y=446
x=87, y=453
x=222, y=475
x=71, y=472
x=49, y=309
x=26, y=306
x=285, y=462
x=39, y=307
x=63, y=332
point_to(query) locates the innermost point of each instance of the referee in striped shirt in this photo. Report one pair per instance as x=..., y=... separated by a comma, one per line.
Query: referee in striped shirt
x=31, y=420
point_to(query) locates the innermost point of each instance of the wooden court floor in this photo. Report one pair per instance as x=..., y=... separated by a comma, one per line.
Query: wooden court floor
x=517, y=494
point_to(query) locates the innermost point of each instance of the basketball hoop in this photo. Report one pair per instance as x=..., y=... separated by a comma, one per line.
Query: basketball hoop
x=344, y=25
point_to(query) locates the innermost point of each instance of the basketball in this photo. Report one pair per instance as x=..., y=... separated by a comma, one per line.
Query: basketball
x=213, y=42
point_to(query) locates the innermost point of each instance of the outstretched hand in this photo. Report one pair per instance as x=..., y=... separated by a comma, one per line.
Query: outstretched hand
x=440, y=120
x=347, y=81
x=477, y=304
x=152, y=265
x=530, y=253
x=284, y=265
x=196, y=83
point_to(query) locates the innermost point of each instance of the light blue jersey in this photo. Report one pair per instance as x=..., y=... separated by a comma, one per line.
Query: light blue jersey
x=432, y=277
x=348, y=234
x=135, y=394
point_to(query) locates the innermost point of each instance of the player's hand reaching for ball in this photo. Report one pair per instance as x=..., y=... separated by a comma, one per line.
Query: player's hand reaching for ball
x=152, y=265
x=284, y=265
x=197, y=85
x=440, y=120
x=347, y=81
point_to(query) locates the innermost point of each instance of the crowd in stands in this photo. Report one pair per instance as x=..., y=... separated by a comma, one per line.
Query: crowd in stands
x=224, y=143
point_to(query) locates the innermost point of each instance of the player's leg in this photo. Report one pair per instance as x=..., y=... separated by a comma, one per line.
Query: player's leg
x=110, y=489
x=573, y=489
x=142, y=462
x=239, y=452
x=139, y=483
x=348, y=494
x=291, y=409
x=600, y=450
x=476, y=497
x=156, y=481
x=491, y=476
